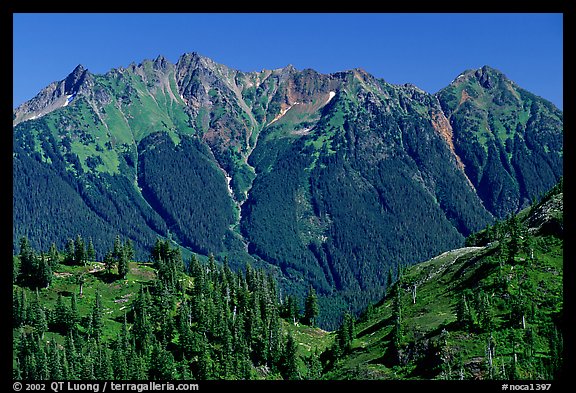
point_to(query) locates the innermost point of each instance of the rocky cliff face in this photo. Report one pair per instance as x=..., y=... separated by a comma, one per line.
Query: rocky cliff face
x=329, y=179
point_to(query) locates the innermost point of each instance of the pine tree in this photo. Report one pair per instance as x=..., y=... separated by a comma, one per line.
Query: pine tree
x=90, y=251
x=517, y=235
x=74, y=313
x=38, y=316
x=42, y=370
x=72, y=357
x=15, y=270
x=119, y=361
x=16, y=371
x=290, y=309
x=556, y=345
x=55, y=362
x=142, y=328
x=128, y=249
x=103, y=367
x=28, y=264
x=205, y=364
x=109, y=262
x=53, y=256
x=118, y=249
x=87, y=362
x=464, y=313
x=183, y=370
x=97, y=325
x=123, y=264
x=26, y=355
x=345, y=334
x=61, y=320
x=44, y=274
x=69, y=255
x=485, y=312
x=290, y=362
x=20, y=307
x=79, y=251
x=311, y=308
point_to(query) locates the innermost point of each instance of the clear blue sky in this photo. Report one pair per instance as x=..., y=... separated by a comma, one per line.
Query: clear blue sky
x=428, y=50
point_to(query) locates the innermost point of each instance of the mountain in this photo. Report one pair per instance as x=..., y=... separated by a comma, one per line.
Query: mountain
x=477, y=312
x=305, y=174
x=491, y=310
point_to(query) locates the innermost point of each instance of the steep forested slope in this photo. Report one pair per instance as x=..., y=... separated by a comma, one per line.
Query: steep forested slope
x=330, y=179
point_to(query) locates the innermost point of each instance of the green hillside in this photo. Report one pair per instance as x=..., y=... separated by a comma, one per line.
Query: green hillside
x=481, y=312
x=75, y=318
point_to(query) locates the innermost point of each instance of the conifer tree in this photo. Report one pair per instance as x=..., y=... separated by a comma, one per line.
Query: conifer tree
x=72, y=357
x=485, y=312
x=53, y=256
x=128, y=249
x=79, y=251
x=123, y=264
x=118, y=249
x=55, y=362
x=345, y=334
x=109, y=262
x=15, y=270
x=61, y=320
x=119, y=361
x=90, y=251
x=311, y=308
x=205, y=365
x=97, y=325
x=517, y=235
x=29, y=268
x=42, y=370
x=69, y=255
x=290, y=362
x=464, y=312
x=86, y=370
x=20, y=307
x=184, y=371
x=44, y=274
x=74, y=313
x=38, y=317
x=142, y=328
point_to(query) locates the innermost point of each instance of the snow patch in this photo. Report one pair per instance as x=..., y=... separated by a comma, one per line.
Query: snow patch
x=331, y=95
x=228, y=180
x=458, y=77
x=304, y=131
x=69, y=98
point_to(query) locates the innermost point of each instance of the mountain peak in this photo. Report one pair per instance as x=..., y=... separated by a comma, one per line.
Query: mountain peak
x=75, y=79
x=161, y=62
x=487, y=76
x=79, y=69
